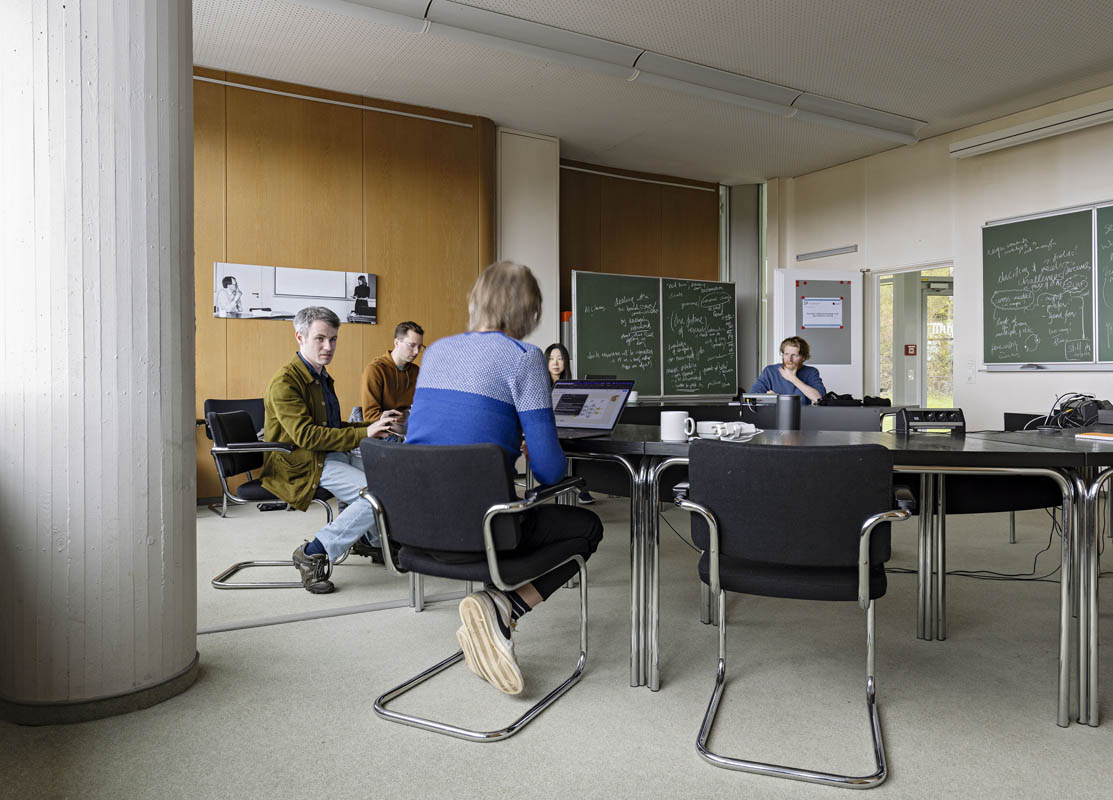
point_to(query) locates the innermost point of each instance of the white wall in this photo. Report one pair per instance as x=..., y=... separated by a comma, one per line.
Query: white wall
x=915, y=205
x=529, y=217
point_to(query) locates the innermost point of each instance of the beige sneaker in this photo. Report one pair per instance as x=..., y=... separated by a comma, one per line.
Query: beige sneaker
x=485, y=640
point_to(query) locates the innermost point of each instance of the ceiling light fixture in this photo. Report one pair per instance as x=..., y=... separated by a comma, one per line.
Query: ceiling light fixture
x=483, y=28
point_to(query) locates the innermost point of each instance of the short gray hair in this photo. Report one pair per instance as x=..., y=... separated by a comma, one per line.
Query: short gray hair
x=310, y=314
x=506, y=297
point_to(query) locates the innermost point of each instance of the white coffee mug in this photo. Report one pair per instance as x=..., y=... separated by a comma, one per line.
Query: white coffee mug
x=673, y=426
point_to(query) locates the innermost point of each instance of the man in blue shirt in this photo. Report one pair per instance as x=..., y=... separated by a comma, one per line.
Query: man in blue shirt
x=791, y=376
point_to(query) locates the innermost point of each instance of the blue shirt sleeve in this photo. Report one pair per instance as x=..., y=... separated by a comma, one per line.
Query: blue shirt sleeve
x=546, y=458
x=762, y=384
x=811, y=377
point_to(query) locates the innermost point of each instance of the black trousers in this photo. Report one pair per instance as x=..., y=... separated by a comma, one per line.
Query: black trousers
x=547, y=524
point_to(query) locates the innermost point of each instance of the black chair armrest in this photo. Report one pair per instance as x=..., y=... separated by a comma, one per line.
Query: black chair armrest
x=540, y=494
x=905, y=500
x=680, y=491
x=255, y=447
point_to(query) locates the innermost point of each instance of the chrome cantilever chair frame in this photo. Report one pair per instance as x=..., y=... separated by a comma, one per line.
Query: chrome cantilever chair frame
x=532, y=499
x=881, y=772
x=222, y=581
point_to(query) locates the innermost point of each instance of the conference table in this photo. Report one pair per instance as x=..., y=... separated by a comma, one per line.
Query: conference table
x=645, y=459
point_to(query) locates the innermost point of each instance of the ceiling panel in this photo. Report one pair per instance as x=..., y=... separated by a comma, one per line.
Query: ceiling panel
x=951, y=64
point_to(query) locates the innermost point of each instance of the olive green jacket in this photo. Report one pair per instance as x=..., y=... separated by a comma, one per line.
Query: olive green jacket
x=294, y=406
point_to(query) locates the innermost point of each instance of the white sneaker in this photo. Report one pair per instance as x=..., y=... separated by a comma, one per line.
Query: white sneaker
x=485, y=640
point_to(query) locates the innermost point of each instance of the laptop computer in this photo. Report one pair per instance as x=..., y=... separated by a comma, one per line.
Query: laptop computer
x=586, y=408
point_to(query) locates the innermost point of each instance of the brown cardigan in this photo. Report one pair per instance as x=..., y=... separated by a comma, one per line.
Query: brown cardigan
x=385, y=387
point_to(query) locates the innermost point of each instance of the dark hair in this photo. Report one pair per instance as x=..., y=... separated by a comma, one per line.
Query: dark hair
x=563, y=353
x=361, y=279
x=799, y=343
x=227, y=281
x=403, y=328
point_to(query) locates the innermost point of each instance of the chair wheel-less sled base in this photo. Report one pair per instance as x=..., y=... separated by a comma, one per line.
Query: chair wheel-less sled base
x=472, y=486
x=502, y=733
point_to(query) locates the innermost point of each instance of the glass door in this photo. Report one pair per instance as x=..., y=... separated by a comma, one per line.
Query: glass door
x=936, y=287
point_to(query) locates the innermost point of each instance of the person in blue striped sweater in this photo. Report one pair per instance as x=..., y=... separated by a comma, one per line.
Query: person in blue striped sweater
x=488, y=386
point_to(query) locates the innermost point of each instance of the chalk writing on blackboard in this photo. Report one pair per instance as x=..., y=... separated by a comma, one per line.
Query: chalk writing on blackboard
x=1039, y=291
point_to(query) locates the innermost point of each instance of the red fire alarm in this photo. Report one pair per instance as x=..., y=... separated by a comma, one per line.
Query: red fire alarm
x=910, y=349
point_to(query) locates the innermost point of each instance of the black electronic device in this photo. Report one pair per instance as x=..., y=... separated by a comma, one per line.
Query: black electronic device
x=923, y=420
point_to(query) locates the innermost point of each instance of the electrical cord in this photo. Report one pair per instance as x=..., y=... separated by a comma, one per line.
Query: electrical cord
x=990, y=575
x=678, y=534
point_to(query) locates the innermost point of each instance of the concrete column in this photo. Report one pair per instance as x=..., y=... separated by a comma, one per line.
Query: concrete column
x=98, y=545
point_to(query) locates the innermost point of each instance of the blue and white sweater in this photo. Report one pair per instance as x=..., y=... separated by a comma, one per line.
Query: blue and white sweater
x=486, y=387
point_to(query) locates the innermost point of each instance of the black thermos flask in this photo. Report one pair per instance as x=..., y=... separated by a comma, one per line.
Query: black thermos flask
x=788, y=412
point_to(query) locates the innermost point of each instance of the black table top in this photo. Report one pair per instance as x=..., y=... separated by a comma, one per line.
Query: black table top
x=1094, y=453
x=918, y=449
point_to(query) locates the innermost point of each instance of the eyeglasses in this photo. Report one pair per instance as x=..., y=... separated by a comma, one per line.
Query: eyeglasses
x=411, y=345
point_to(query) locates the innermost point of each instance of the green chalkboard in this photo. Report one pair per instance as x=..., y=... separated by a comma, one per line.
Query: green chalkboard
x=618, y=328
x=1105, y=284
x=698, y=337
x=1038, y=283
x=673, y=337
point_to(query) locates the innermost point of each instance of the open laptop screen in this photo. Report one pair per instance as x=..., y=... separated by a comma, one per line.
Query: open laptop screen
x=589, y=405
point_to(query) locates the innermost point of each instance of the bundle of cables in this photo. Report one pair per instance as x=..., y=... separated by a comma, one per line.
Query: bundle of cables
x=1069, y=410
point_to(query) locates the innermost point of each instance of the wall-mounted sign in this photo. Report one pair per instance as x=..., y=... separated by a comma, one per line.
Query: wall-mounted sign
x=820, y=312
x=251, y=291
x=910, y=349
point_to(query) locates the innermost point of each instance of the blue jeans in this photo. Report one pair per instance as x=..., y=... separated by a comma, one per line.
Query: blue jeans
x=343, y=476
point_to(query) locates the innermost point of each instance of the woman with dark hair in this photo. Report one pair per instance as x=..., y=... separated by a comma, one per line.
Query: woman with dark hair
x=557, y=362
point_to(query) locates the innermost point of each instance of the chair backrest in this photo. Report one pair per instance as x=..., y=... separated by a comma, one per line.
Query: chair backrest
x=434, y=496
x=252, y=405
x=796, y=506
x=234, y=427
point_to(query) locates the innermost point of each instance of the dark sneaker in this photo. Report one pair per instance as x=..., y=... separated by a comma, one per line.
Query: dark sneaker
x=585, y=498
x=315, y=571
x=362, y=547
x=485, y=640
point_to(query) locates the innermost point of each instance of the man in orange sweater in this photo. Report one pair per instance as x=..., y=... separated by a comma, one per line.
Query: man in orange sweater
x=388, y=381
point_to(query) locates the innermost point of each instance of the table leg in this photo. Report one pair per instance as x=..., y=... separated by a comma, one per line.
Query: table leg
x=923, y=566
x=1066, y=594
x=940, y=557
x=637, y=578
x=655, y=468
x=1088, y=678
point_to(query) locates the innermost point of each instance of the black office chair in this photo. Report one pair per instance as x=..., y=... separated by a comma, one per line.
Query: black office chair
x=459, y=500
x=799, y=522
x=254, y=407
x=237, y=451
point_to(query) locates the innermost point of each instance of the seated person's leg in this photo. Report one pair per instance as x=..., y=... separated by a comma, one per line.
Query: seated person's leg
x=489, y=615
x=344, y=480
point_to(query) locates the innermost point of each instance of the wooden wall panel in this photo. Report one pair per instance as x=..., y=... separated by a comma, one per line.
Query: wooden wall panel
x=690, y=244
x=581, y=218
x=609, y=223
x=208, y=245
x=422, y=231
x=630, y=231
x=292, y=182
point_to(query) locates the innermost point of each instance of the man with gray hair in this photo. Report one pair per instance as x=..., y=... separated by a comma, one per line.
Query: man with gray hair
x=301, y=408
